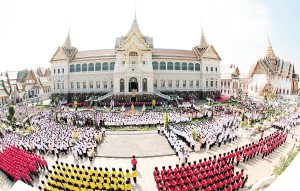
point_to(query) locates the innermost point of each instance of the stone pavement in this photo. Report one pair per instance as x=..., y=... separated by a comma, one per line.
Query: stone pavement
x=147, y=143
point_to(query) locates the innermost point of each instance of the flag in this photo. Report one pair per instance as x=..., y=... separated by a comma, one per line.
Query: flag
x=75, y=105
x=59, y=102
x=88, y=108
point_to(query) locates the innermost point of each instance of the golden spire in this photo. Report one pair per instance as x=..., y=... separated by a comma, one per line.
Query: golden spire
x=134, y=28
x=270, y=53
x=67, y=43
x=203, y=43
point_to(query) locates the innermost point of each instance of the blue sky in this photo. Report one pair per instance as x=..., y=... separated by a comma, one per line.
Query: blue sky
x=32, y=30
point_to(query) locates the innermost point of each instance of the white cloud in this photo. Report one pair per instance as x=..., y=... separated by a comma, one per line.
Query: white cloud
x=31, y=31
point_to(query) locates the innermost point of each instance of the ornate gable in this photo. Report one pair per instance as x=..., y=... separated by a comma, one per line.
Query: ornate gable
x=210, y=52
x=59, y=55
x=134, y=38
x=259, y=69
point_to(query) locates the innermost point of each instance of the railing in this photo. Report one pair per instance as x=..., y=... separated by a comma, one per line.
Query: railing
x=181, y=88
x=104, y=97
x=162, y=95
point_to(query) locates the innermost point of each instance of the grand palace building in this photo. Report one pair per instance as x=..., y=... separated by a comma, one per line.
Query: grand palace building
x=135, y=65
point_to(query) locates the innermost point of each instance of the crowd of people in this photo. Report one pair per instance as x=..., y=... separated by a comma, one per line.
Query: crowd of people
x=18, y=164
x=74, y=177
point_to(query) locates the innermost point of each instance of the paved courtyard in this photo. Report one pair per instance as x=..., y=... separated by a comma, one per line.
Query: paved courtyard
x=125, y=144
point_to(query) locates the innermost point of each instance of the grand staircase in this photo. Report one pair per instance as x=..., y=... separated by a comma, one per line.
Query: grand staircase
x=162, y=95
x=104, y=97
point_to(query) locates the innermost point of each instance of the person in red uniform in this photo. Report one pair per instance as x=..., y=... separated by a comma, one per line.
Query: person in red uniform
x=134, y=161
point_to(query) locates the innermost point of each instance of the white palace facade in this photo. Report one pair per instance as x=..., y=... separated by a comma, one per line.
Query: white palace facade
x=134, y=63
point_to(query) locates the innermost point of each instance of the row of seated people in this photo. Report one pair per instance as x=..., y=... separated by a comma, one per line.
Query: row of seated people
x=18, y=164
x=74, y=178
x=213, y=176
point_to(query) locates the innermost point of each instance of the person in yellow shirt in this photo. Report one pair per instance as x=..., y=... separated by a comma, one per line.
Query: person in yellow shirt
x=45, y=186
x=67, y=167
x=62, y=165
x=73, y=167
x=114, y=186
x=101, y=172
x=83, y=169
x=114, y=180
x=107, y=179
x=87, y=176
x=98, y=185
x=83, y=188
x=96, y=171
x=106, y=185
x=128, y=175
x=107, y=172
x=40, y=188
x=121, y=185
x=78, y=181
x=90, y=171
x=114, y=172
x=85, y=183
x=134, y=175
x=47, y=179
x=121, y=179
x=121, y=172
x=57, y=164
x=128, y=186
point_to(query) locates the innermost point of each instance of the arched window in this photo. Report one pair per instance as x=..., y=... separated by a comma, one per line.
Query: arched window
x=112, y=66
x=98, y=66
x=197, y=67
x=184, y=66
x=170, y=66
x=144, y=85
x=72, y=68
x=105, y=66
x=121, y=85
x=177, y=66
x=191, y=66
x=78, y=68
x=162, y=65
x=155, y=65
x=84, y=67
x=91, y=67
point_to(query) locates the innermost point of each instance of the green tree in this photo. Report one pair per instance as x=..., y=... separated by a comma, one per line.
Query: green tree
x=194, y=133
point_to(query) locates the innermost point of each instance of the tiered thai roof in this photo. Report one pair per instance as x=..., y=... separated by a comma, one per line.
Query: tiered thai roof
x=135, y=29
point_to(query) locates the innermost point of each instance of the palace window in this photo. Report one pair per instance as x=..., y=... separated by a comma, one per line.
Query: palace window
x=228, y=84
x=84, y=85
x=54, y=71
x=58, y=71
x=197, y=67
x=72, y=68
x=78, y=84
x=170, y=83
x=170, y=66
x=91, y=85
x=206, y=83
x=98, y=84
x=122, y=85
x=155, y=83
x=111, y=84
x=211, y=83
x=63, y=70
x=197, y=83
x=78, y=68
x=84, y=67
x=211, y=69
x=162, y=65
x=105, y=84
x=144, y=85
x=177, y=66
x=53, y=86
x=162, y=83
x=72, y=85
x=58, y=85
x=191, y=66
x=91, y=66
x=184, y=66
x=112, y=65
x=155, y=65
x=216, y=83
x=191, y=83
x=144, y=62
x=184, y=83
x=177, y=83
x=133, y=62
x=123, y=62
x=62, y=85
x=216, y=69
x=206, y=69
x=98, y=66
x=105, y=66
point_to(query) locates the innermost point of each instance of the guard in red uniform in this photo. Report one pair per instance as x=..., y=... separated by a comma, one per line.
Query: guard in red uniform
x=133, y=161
